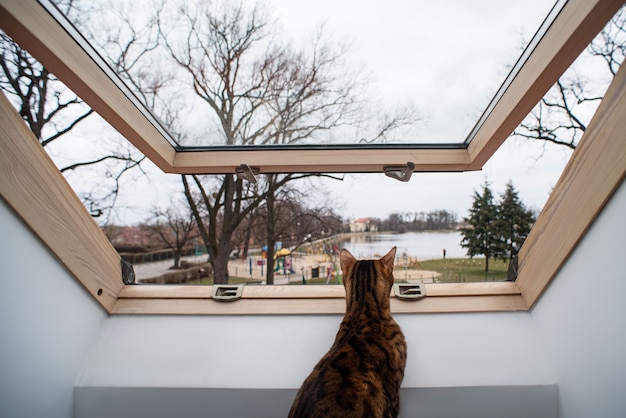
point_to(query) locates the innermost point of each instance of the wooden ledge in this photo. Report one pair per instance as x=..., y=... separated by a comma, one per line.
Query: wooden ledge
x=309, y=291
x=312, y=299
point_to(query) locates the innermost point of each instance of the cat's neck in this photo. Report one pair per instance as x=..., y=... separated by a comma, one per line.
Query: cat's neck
x=368, y=309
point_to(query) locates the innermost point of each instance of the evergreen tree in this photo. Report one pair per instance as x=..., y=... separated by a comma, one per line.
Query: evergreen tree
x=481, y=237
x=513, y=222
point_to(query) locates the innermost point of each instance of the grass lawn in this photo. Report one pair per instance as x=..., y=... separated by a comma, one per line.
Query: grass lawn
x=466, y=270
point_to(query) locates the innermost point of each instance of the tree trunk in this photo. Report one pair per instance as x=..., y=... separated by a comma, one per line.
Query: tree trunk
x=220, y=260
x=246, y=240
x=218, y=245
x=271, y=238
x=269, y=274
x=220, y=271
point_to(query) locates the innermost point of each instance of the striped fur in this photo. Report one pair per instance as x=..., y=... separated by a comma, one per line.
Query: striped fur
x=360, y=375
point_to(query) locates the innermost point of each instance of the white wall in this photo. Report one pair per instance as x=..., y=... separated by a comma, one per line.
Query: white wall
x=47, y=325
x=581, y=319
x=490, y=364
x=279, y=351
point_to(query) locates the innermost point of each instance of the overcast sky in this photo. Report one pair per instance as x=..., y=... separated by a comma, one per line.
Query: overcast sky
x=447, y=58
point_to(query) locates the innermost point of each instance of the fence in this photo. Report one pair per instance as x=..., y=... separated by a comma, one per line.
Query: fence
x=157, y=255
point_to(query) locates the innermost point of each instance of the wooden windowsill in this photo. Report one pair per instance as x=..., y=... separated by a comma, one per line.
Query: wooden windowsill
x=313, y=306
x=312, y=299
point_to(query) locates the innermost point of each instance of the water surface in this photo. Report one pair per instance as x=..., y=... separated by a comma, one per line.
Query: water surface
x=423, y=245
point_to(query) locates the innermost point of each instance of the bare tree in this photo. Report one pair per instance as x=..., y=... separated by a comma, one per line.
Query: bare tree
x=219, y=206
x=127, y=37
x=562, y=115
x=610, y=44
x=285, y=217
x=259, y=91
x=41, y=100
x=216, y=229
x=52, y=111
x=175, y=227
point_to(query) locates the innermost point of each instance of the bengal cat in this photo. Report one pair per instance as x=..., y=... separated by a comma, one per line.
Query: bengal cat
x=360, y=375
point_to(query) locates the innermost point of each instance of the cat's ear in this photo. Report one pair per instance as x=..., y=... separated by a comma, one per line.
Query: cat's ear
x=387, y=260
x=346, y=259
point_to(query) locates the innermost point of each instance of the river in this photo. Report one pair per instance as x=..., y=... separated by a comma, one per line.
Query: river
x=423, y=245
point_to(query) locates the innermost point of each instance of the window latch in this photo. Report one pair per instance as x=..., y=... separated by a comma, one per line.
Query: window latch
x=402, y=173
x=226, y=292
x=245, y=172
x=413, y=291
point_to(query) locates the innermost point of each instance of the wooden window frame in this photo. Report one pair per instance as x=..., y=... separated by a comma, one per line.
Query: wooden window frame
x=34, y=188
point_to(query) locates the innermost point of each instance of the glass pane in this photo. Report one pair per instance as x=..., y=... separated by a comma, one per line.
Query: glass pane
x=343, y=73
x=317, y=215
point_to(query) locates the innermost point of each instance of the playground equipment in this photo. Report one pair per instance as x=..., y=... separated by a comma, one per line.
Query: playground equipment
x=284, y=265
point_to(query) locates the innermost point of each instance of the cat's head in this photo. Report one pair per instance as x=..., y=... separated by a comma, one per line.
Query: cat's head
x=374, y=275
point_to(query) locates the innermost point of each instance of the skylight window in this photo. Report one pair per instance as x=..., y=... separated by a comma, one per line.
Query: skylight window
x=566, y=32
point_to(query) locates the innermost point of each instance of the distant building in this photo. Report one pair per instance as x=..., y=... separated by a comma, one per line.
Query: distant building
x=362, y=225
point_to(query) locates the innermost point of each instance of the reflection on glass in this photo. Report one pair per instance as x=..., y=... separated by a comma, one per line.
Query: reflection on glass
x=290, y=74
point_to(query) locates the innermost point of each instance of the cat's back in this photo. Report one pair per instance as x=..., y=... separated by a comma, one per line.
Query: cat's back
x=360, y=376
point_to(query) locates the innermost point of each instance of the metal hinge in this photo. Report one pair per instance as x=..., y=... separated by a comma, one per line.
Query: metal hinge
x=128, y=272
x=511, y=274
x=226, y=292
x=413, y=291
